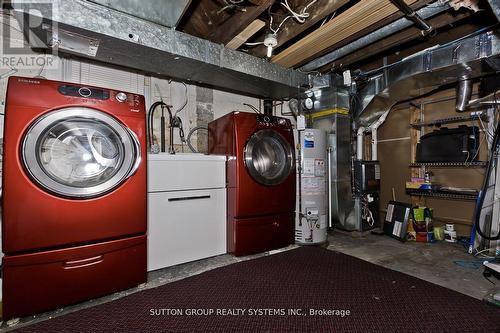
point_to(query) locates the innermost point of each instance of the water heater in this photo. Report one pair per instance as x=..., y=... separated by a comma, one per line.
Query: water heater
x=311, y=223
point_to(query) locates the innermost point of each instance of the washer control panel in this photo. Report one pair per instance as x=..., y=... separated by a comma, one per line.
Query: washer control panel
x=85, y=92
x=121, y=97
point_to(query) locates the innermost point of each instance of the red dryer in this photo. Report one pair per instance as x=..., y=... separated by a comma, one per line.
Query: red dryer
x=74, y=194
x=260, y=180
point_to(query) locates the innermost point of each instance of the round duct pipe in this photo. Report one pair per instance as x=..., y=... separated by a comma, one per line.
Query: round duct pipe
x=268, y=107
x=464, y=94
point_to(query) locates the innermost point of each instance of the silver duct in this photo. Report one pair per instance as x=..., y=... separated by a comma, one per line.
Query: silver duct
x=110, y=36
x=495, y=7
x=167, y=13
x=464, y=94
x=329, y=104
x=467, y=58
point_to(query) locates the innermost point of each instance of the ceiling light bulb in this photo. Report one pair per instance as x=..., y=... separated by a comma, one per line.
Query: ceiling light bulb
x=270, y=42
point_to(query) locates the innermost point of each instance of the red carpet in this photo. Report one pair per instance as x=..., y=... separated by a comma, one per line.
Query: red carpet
x=258, y=295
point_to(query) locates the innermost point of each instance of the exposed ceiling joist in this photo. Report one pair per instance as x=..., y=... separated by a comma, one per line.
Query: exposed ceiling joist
x=220, y=21
x=292, y=28
x=248, y=32
x=380, y=24
x=208, y=16
x=387, y=43
x=239, y=21
x=354, y=19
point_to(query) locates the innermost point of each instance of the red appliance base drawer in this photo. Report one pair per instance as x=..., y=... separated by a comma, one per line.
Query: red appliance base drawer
x=259, y=234
x=42, y=281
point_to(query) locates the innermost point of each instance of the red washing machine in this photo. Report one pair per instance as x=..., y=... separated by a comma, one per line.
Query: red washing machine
x=260, y=180
x=74, y=194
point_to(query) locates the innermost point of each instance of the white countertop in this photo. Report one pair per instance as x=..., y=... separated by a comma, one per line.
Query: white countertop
x=185, y=157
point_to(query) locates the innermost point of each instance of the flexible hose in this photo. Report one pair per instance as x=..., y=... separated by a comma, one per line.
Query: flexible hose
x=151, y=111
x=483, y=191
x=188, y=139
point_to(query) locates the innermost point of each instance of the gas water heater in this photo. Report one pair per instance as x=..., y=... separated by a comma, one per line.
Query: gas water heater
x=311, y=223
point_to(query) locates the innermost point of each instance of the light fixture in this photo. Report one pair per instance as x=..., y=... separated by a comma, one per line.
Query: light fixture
x=270, y=41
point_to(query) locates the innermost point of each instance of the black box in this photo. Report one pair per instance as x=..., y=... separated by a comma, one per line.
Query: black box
x=449, y=145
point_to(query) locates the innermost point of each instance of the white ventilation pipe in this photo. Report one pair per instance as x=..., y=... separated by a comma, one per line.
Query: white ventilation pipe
x=359, y=143
x=373, y=128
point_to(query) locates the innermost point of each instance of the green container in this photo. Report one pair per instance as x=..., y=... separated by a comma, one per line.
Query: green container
x=422, y=214
x=438, y=233
x=419, y=214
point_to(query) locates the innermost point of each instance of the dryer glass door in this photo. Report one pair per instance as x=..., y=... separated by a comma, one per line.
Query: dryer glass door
x=79, y=152
x=268, y=157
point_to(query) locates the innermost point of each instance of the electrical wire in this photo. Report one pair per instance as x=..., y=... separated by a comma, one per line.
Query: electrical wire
x=300, y=17
x=254, y=44
x=254, y=109
x=476, y=147
x=185, y=100
x=303, y=15
x=485, y=129
x=366, y=212
x=485, y=250
x=326, y=19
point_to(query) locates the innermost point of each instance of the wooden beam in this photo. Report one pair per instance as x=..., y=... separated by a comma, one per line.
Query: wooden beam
x=391, y=18
x=237, y=23
x=291, y=28
x=248, y=32
x=404, y=36
x=354, y=19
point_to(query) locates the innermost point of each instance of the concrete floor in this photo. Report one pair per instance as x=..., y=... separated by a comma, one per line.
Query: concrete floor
x=431, y=262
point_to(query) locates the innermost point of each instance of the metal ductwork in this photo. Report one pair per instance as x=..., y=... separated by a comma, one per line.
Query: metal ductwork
x=110, y=36
x=464, y=94
x=464, y=59
x=167, y=13
x=495, y=7
x=383, y=32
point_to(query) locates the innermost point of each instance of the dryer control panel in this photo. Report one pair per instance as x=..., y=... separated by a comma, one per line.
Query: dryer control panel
x=273, y=121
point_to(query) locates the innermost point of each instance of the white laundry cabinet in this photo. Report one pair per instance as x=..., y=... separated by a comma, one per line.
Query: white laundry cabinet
x=186, y=208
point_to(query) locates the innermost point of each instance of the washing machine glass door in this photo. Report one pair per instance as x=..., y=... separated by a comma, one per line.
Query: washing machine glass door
x=268, y=157
x=79, y=152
